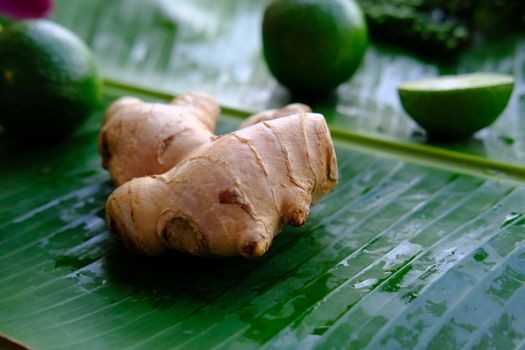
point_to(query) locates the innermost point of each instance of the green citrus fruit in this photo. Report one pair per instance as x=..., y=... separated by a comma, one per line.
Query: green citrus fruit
x=454, y=107
x=312, y=46
x=49, y=82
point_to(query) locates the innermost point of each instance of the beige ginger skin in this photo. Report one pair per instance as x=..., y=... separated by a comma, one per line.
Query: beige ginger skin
x=230, y=196
x=291, y=109
x=139, y=138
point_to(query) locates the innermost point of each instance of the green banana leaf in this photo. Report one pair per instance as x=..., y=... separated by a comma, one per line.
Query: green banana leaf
x=418, y=246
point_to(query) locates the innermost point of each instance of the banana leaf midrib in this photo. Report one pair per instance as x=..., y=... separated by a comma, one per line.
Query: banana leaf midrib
x=412, y=152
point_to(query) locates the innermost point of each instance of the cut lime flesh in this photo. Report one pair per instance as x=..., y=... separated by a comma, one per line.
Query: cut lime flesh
x=459, y=82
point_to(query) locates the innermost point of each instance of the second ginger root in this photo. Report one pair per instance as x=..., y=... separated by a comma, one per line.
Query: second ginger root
x=139, y=138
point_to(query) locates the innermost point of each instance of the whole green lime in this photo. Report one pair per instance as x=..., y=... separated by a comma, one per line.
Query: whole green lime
x=455, y=107
x=312, y=46
x=49, y=81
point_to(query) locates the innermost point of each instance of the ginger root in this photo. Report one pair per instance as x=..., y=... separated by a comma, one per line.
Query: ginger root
x=139, y=138
x=230, y=196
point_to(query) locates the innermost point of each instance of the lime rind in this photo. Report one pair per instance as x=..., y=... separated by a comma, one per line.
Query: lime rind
x=48, y=65
x=313, y=46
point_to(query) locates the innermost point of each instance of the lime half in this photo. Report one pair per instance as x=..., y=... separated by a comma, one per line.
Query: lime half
x=455, y=107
